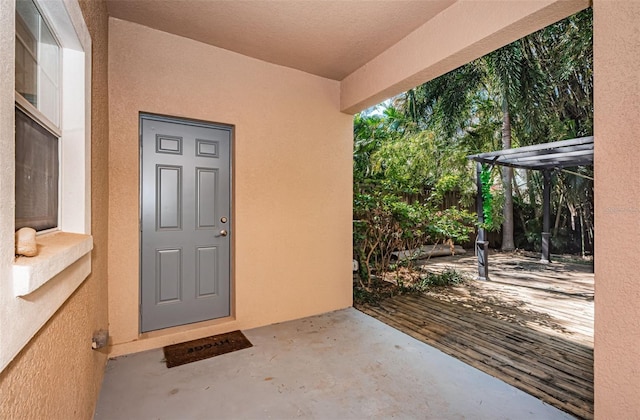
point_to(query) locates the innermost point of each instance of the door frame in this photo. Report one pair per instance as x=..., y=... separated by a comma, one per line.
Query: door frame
x=197, y=123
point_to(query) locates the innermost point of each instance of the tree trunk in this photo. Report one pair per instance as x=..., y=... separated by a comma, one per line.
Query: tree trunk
x=556, y=226
x=507, y=176
x=516, y=188
x=582, y=234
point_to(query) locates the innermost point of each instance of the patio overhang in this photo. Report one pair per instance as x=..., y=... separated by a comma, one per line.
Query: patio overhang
x=546, y=157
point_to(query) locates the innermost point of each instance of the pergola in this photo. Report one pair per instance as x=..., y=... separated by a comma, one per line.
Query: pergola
x=545, y=157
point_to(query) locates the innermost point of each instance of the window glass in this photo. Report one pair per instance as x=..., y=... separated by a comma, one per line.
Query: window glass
x=36, y=175
x=37, y=61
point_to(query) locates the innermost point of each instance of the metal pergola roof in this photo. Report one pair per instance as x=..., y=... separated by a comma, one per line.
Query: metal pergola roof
x=555, y=155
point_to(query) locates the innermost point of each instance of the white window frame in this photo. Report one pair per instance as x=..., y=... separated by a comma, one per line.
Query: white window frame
x=35, y=112
x=74, y=194
x=33, y=289
x=38, y=116
x=74, y=129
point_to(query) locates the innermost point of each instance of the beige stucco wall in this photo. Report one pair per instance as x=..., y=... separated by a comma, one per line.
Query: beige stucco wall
x=291, y=171
x=617, y=208
x=57, y=375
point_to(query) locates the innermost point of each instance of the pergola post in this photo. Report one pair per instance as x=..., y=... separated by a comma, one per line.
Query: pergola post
x=482, y=245
x=546, y=217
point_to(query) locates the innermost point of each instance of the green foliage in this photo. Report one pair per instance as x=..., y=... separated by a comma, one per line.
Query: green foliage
x=406, y=163
x=371, y=295
x=382, y=290
x=487, y=197
x=410, y=153
x=534, y=90
x=369, y=132
x=451, y=224
x=492, y=198
x=384, y=223
x=448, y=277
x=423, y=165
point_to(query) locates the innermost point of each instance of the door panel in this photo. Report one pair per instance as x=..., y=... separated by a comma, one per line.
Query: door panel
x=169, y=274
x=207, y=262
x=169, y=196
x=206, y=186
x=185, y=222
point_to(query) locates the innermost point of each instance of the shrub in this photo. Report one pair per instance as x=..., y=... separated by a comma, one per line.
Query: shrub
x=384, y=223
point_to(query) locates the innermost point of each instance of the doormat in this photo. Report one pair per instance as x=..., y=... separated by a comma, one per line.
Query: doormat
x=204, y=348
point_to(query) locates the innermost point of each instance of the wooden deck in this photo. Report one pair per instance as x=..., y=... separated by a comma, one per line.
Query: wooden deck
x=531, y=325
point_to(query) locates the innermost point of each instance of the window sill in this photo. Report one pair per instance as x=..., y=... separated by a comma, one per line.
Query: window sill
x=56, y=252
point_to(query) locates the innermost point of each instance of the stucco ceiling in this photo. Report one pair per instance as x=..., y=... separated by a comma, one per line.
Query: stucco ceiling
x=329, y=38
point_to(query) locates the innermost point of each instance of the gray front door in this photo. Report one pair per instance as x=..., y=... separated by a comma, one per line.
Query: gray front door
x=186, y=222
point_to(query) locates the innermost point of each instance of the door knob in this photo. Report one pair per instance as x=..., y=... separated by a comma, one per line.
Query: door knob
x=223, y=232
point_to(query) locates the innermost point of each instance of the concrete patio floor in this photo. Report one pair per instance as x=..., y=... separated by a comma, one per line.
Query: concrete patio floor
x=340, y=365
